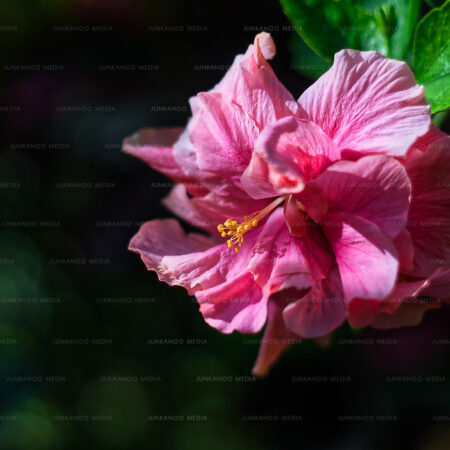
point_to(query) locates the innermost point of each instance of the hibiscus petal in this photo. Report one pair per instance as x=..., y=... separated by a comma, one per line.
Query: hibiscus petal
x=438, y=285
x=282, y=262
x=423, y=142
x=193, y=261
x=400, y=308
x=154, y=147
x=297, y=148
x=375, y=188
x=228, y=296
x=368, y=103
x=405, y=249
x=222, y=135
x=208, y=211
x=262, y=181
x=318, y=313
x=276, y=254
x=429, y=216
x=361, y=312
x=237, y=305
x=257, y=51
x=315, y=203
x=366, y=258
x=294, y=151
x=408, y=315
x=178, y=258
x=277, y=339
x=402, y=293
x=295, y=217
x=185, y=155
x=251, y=83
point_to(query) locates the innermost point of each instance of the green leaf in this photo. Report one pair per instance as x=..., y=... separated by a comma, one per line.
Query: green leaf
x=328, y=26
x=440, y=119
x=432, y=57
x=400, y=20
x=435, y=3
x=304, y=60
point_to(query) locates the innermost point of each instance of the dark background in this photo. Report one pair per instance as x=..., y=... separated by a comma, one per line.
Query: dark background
x=94, y=351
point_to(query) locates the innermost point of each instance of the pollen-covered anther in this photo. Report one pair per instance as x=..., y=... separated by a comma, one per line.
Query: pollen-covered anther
x=236, y=230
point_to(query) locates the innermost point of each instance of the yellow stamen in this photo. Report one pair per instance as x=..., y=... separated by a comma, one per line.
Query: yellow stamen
x=237, y=230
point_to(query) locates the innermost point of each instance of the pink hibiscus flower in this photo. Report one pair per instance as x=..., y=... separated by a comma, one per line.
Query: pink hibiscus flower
x=334, y=207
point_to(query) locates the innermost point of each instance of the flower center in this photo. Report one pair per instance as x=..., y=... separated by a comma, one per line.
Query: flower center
x=236, y=230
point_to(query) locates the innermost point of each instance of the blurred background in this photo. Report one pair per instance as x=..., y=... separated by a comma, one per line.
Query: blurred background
x=94, y=351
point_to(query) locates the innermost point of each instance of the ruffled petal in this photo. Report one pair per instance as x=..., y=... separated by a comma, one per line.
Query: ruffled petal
x=375, y=188
x=402, y=293
x=363, y=312
x=154, y=147
x=294, y=151
x=260, y=180
x=281, y=262
x=185, y=156
x=409, y=314
x=180, y=259
x=429, y=216
x=218, y=276
x=366, y=258
x=222, y=135
x=236, y=305
x=408, y=302
x=319, y=312
x=401, y=308
x=368, y=104
x=208, y=211
x=251, y=84
x=277, y=256
x=277, y=339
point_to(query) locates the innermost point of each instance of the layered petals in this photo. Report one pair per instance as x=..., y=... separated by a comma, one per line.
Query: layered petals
x=180, y=259
x=263, y=181
x=298, y=149
x=409, y=314
x=364, y=232
x=228, y=296
x=320, y=311
x=251, y=84
x=429, y=216
x=367, y=104
x=236, y=305
x=222, y=134
x=403, y=307
x=279, y=257
x=208, y=211
x=375, y=188
x=366, y=258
